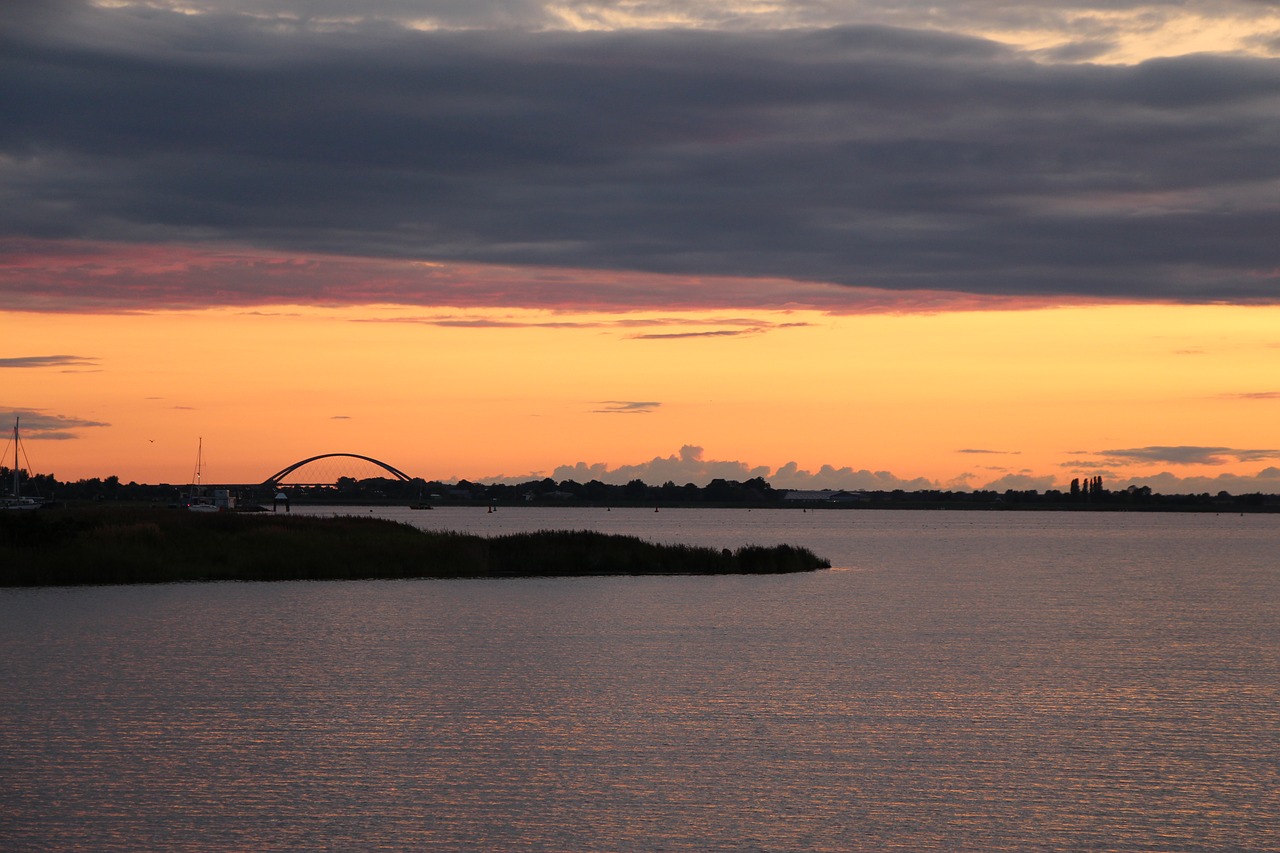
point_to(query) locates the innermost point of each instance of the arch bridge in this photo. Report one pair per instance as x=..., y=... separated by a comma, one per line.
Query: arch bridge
x=275, y=479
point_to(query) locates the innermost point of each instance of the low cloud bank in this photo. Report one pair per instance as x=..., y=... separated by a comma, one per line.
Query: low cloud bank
x=690, y=465
x=1266, y=481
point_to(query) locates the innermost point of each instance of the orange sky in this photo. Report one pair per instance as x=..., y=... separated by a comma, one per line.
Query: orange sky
x=1044, y=393
x=852, y=245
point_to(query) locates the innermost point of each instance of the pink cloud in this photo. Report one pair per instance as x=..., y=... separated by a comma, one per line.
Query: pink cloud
x=50, y=276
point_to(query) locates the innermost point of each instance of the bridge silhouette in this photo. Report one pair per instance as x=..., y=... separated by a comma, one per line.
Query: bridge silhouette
x=275, y=479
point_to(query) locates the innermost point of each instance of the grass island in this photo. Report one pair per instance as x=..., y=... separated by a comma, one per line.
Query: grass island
x=85, y=545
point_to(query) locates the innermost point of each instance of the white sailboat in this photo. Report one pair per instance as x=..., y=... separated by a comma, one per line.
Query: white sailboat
x=16, y=500
x=199, y=499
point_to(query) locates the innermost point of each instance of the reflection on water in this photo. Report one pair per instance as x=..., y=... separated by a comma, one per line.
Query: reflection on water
x=970, y=681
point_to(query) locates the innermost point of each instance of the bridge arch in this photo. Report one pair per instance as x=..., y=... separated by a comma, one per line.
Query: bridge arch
x=274, y=479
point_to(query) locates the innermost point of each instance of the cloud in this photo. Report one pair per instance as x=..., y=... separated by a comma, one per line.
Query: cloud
x=993, y=452
x=718, y=333
x=75, y=276
x=1191, y=455
x=488, y=322
x=1074, y=31
x=29, y=361
x=1265, y=481
x=624, y=407
x=791, y=476
x=848, y=156
x=1254, y=395
x=340, y=418
x=691, y=466
x=1021, y=483
x=1092, y=466
x=42, y=426
x=1077, y=51
x=687, y=466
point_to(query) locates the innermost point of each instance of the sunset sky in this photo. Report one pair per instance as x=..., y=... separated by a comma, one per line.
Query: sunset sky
x=863, y=244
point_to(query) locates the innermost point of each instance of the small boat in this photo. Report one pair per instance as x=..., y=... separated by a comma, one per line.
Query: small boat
x=16, y=501
x=200, y=498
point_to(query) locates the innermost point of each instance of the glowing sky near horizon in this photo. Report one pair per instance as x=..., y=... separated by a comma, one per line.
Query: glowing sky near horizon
x=964, y=399
x=838, y=245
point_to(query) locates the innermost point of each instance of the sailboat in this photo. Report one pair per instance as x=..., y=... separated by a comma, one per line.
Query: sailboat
x=199, y=499
x=16, y=500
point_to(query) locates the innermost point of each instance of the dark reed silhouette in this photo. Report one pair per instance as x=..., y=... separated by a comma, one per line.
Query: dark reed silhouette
x=119, y=545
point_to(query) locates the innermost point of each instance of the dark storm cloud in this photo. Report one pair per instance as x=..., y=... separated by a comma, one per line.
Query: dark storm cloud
x=1070, y=19
x=871, y=156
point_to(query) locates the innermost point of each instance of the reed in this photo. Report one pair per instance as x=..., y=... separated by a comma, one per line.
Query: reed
x=122, y=545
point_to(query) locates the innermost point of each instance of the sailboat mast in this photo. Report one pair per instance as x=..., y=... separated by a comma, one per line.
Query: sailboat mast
x=16, y=420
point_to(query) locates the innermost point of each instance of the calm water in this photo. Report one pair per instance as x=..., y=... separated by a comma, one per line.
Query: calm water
x=962, y=681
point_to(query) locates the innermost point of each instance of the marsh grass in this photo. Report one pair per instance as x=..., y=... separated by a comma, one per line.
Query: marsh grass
x=113, y=545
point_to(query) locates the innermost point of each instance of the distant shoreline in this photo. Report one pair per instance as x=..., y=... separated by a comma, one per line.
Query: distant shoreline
x=1177, y=506
x=755, y=493
x=1268, y=504
x=1170, y=504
